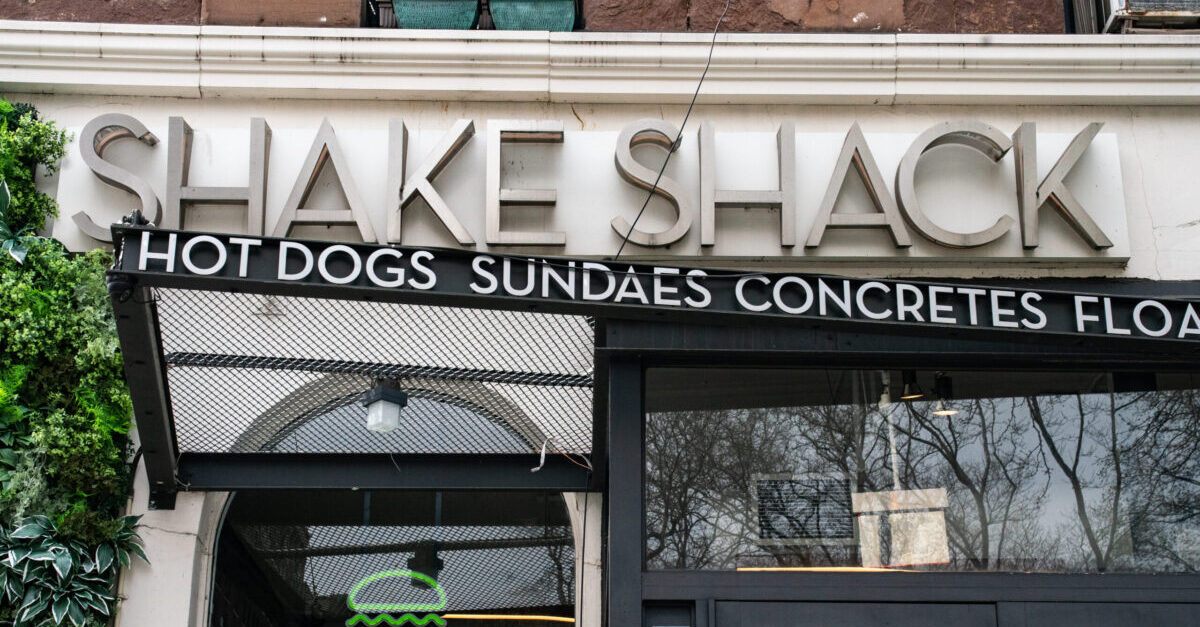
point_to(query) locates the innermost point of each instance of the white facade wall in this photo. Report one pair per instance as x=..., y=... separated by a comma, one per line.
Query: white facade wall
x=1156, y=155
